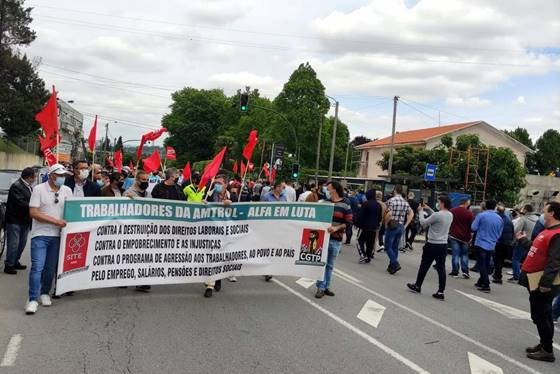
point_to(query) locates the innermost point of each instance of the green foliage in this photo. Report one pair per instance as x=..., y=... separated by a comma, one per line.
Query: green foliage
x=119, y=144
x=14, y=23
x=521, y=135
x=359, y=140
x=22, y=95
x=447, y=141
x=547, y=157
x=9, y=147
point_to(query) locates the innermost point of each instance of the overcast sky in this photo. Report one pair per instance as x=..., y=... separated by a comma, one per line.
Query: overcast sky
x=450, y=61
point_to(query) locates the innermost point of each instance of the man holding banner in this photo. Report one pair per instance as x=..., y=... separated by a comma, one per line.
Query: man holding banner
x=46, y=207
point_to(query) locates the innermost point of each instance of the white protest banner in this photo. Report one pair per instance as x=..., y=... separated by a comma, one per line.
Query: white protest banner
x=124, y=242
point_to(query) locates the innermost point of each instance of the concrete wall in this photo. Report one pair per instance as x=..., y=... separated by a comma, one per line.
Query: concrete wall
x=18, y=161
x=368, y=166
x=539, y=190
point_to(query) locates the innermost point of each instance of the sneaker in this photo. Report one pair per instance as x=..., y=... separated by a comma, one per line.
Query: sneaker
x=45, y=300
x=454, y=275
x=542, y=355
x=474, y=268
x=208, y=292
x=439, y=295
x=381, y=248
x=218, y=285
x=31, y=307
x=510, y=272
x=395, y=269
x=328, y=292
x=362, y=260
x=19, y=266
x=533, y=349
x=497, y=281
x=319, y=294
x=10, y=270
x=232, y=279
x=267, y=278
x=413, y=287
x=484, y=289
x=513, y=280
x=466, y=276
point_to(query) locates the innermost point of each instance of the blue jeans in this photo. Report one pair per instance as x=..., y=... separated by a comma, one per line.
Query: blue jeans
x=519, y=254
x=460, y=256
x=16, y=237
x=484, y=258
x=392, y=240
x=44, y=259
x=556, y=308
x=334, y=249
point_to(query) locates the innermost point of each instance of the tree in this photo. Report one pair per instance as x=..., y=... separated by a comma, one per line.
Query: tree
x=196, y=120
x=341, y=143
x=303, y=102
x=547, y=157
x=119, y=144
x=359, y=140
x=22, y=95
x=14, y=24
x=522, y=136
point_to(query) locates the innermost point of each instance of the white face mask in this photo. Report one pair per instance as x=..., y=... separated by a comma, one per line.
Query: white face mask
x=83, y=174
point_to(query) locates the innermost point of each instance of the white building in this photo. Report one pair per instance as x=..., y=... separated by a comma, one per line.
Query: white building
x=71, y=131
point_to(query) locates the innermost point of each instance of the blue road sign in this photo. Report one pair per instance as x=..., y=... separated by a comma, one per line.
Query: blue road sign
x=430, y=174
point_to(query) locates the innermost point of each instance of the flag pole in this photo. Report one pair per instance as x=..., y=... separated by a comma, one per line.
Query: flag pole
x=243, y=180
x=92, y=164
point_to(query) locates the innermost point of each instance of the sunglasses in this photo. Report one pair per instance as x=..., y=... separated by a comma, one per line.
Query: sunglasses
x=56, y=197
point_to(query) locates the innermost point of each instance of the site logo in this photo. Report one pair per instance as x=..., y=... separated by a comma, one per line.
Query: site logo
x=75, y=252
x=311, y=249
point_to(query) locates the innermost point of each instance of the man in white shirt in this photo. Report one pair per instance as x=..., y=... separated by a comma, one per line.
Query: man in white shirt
x=46, y=207
x=290, y=191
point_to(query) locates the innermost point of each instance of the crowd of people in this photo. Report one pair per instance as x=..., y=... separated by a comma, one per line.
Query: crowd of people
x=390, y=224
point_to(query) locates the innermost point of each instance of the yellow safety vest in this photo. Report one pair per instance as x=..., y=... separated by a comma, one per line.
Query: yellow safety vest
x=193, y=194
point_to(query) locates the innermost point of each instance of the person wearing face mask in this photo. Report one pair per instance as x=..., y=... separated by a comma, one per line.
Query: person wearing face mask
x=81, y=183
x=46, y=208
x=168, y=189
x=18, y=220
x=220, y=195
x=276, y=193
x=140, y=186
x=115, y=186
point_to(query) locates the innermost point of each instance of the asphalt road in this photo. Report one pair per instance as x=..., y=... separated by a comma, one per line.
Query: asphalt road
x=279, y=327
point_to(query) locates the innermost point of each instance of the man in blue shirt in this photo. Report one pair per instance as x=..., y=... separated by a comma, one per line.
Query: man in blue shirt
x=488, y=226
x=275, y=194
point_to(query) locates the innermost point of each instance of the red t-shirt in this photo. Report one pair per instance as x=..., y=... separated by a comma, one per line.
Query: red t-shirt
x=461, y=226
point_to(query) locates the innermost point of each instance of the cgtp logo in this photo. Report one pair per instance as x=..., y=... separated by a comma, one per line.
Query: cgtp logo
x=311, y=248
x=75, y=253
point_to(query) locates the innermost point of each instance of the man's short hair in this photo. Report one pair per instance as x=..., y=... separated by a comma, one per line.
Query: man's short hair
x=77, y=162
x=445, y=200
x=398, y=189
x=169, y=172
x=528, y=208
x=464, y=200
x=114, y=176
x=27, y=173
x=554, y=208
x=277, y=183
x=221, y=176
x=140, y=173
x=490, y=204
x=337, y=187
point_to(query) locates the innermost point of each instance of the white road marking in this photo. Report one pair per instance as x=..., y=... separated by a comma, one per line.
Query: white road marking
x=481, y=366
x=305, y=282
x=355, y=330
x=371, y=313
x=446, y=328
x=505, y=310
x=12, y=350
x=341, y=273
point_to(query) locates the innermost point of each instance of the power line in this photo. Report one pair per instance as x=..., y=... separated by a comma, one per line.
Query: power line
x=123, y=121
x=198, y=39
x=439, y=110
x=418, y=110
x=309, y=37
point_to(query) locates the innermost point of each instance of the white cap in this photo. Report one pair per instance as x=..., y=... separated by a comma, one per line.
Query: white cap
x=58, y=169
x=126, y=168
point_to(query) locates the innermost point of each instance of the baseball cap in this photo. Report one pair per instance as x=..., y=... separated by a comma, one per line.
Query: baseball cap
x=59, y=170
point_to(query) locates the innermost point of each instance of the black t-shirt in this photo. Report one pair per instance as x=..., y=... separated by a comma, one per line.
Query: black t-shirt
x=163, y=191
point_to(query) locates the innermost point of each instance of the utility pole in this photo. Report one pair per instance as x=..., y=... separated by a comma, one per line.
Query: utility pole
x=331, y=161
x=395, y=99
x=318, y=150
x=346, y=159
x=106, y=145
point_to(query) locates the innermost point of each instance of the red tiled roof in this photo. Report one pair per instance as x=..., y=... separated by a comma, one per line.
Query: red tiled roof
x=417, y=136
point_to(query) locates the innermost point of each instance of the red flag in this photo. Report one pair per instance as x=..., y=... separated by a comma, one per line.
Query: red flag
x=149, y=137
x=109, y=162
x=118, y=160
x=212, y=168
x=92, y=135
x=273, y=175
x=153, y=162
x=235, y=168
x=187, y=172
x=243, y=168
x=131, y=165
x=251, y=166
x=248, y=150
x=49, y=156
x=265, y=169
x=48, y=118
x=170, y=153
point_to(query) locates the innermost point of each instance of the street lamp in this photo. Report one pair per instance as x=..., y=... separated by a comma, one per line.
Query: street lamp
x=331, y=160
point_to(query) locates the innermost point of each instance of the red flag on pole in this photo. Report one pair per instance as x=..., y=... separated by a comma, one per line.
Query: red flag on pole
x=153, y=162
x=118, y=160
x=212, y=168
x=187, y=172
x=170, y=153
x=49, y=156
x=235, y=168
x=248, y=150
x=273, y=175
x=92, y=135
x=265, y=169
x=149, y=137
x=243, y=168
x=48, y=118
